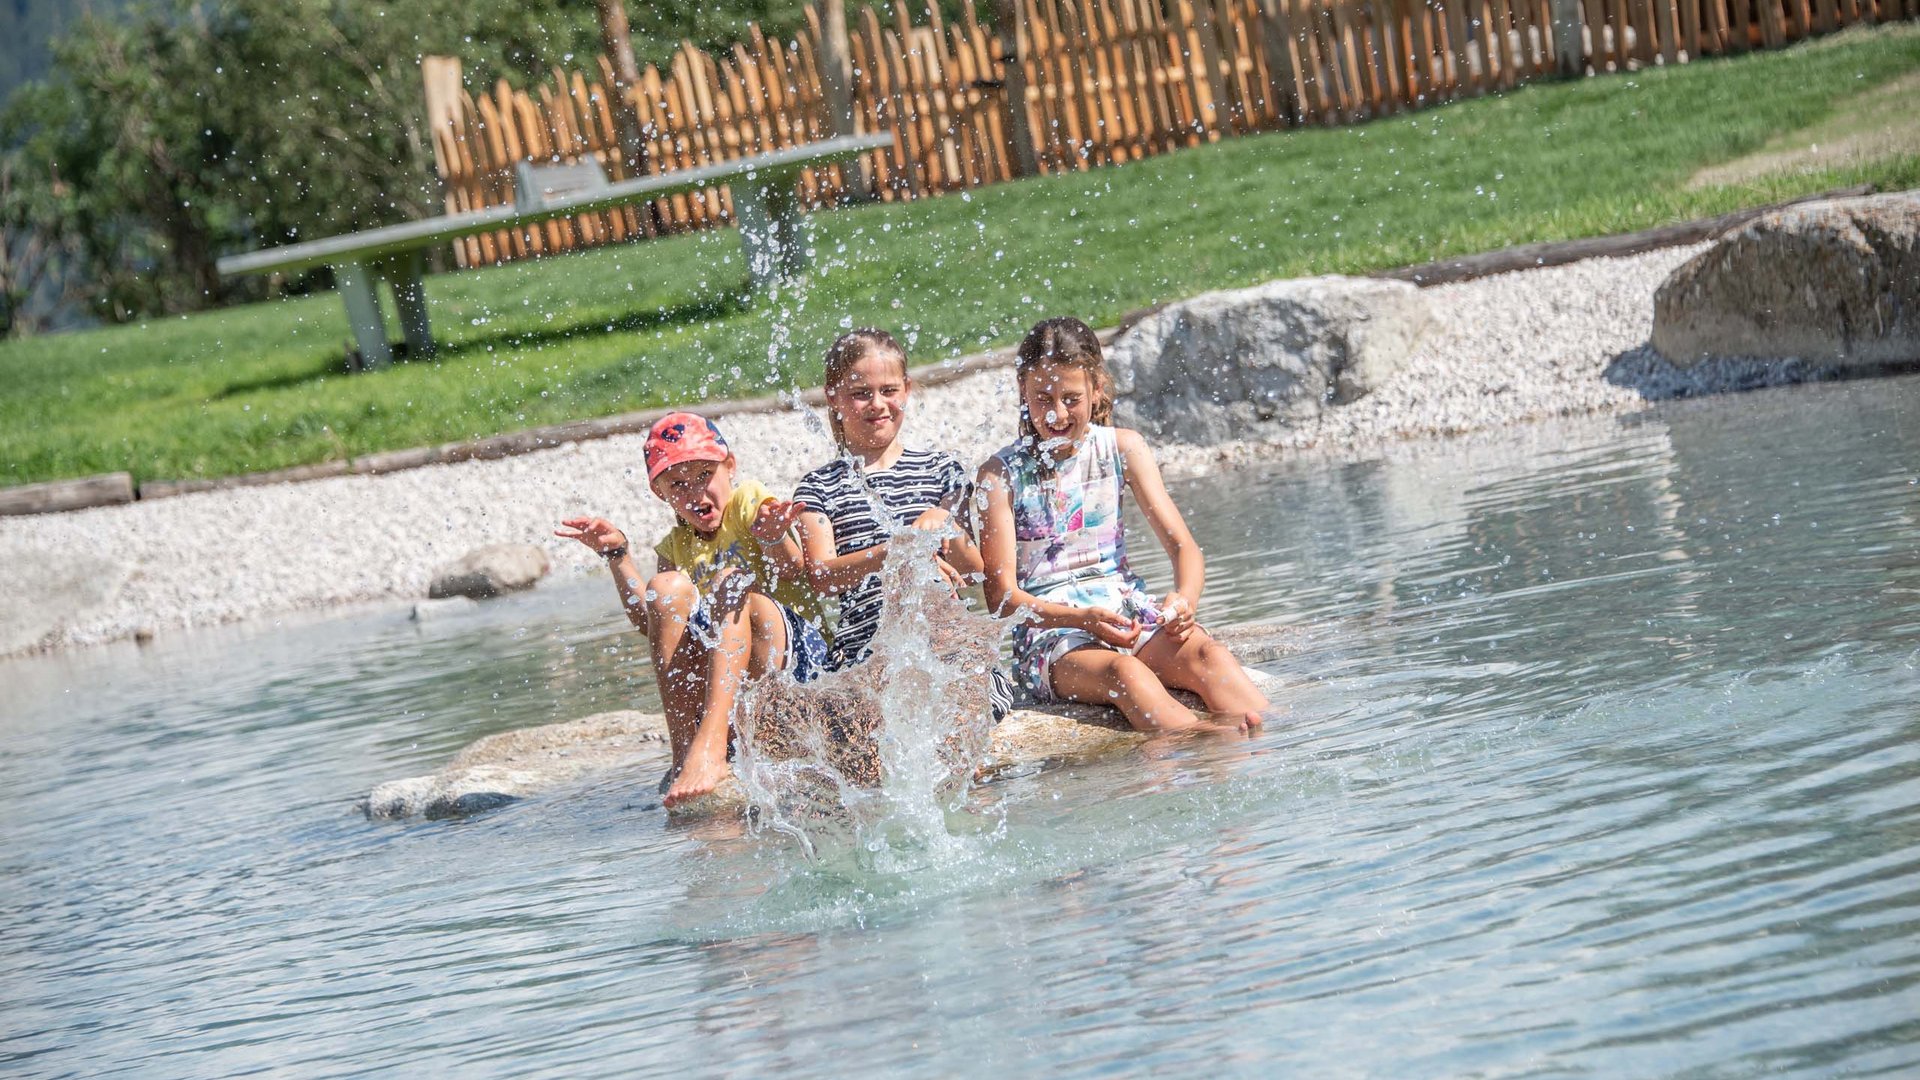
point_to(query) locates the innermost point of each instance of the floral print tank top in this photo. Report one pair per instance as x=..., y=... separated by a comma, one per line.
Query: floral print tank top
x=1066, y=523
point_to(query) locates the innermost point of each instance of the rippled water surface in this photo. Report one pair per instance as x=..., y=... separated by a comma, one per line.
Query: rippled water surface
x=1603, y=757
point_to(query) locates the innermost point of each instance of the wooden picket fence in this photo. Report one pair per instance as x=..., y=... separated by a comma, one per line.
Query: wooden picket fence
x=1094, y=81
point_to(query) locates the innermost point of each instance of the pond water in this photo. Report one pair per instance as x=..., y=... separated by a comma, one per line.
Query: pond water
x=1603, y=756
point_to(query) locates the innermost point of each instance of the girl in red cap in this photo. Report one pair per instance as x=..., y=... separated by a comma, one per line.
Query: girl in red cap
x=728, y=599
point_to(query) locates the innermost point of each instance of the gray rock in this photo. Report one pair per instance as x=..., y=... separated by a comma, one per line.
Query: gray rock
x=432, y=610
x=49, y=592
x=490, y=571
x=1209, y=369
x=1833, y=284
x=500, y=769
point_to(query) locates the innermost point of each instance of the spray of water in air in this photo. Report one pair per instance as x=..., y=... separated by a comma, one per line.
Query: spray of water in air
x=869, y=763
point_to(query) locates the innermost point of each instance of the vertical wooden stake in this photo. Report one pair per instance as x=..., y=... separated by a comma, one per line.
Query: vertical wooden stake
x=836, y=67
x=1568, y=58
x=1006, y=18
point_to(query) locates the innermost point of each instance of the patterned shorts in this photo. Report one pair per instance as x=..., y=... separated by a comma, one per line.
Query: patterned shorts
x=1035, y=651
x=806, y=652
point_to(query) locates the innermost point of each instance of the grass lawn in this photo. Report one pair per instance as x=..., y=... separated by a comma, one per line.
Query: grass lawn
x=595, y=333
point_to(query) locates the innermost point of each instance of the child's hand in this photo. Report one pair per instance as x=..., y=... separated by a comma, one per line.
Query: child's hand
x=954, y=577
x=933, y=520
x=773, y=518
x=1177, y=616
x=1110, y=627
x=698, y=776
x=597, y=533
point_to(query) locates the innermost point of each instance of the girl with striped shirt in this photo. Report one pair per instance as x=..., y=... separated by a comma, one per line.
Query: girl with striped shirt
x=855, y=502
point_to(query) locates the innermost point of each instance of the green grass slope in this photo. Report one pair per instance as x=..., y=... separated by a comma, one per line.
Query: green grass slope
x=600, y=332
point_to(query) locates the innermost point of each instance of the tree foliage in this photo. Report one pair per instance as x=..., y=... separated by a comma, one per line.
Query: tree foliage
x=181, y=130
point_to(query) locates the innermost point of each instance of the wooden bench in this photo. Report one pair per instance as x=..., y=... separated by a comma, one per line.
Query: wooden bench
x=773, y=232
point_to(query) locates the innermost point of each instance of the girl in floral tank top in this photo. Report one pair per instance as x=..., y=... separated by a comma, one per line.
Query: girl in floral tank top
x=1068, y=544
x=1056, y=557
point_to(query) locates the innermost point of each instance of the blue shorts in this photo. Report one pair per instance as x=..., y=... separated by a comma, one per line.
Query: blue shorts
x=1034, y=651
x=806, y=652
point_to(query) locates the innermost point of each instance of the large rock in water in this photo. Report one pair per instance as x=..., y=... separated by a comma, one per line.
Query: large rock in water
x=1209, y=369
x=1834, y=284
x=44, y=593
x=503, y=768
x=490, y=571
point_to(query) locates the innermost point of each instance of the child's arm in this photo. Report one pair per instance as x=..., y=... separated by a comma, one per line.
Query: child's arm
x=833, y=574
x=1004, y=595
x=1189, y=565
x=959, y=559
x=610, y=543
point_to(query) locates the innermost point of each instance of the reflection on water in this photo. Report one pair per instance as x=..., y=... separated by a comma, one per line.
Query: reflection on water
x=1602, y=758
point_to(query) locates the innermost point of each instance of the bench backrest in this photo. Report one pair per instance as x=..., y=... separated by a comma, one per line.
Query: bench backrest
x=536, y=184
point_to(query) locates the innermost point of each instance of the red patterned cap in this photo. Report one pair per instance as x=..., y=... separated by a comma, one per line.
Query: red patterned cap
x=683, y=436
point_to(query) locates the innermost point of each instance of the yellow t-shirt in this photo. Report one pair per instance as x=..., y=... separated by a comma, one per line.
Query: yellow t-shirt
x=733, y=544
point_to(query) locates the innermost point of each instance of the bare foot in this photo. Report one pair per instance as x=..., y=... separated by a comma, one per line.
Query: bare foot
x=1210, y=724
x=699, y=776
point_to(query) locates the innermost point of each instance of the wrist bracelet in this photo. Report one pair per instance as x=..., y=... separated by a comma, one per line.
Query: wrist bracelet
x=615, y=553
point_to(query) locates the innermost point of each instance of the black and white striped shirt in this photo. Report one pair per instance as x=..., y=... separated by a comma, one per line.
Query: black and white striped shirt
x=920, y=481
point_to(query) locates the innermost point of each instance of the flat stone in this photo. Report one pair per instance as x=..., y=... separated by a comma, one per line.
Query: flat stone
x=49, y=591
x=490, y=571
x=512, y=765
x=431, y=610
x=1217, y=366
x=1832, y=284
x=501, y=768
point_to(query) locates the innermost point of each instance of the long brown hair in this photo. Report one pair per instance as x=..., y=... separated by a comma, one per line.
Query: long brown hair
x=849, y=349
x=1067, y=341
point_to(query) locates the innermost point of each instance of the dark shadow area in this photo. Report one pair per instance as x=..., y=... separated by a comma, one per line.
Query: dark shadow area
x=1655, y=378
x=719, y=307
x=315, y=368
x=323, y=365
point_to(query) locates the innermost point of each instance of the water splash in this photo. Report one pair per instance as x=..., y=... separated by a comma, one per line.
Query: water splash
x=873, y=762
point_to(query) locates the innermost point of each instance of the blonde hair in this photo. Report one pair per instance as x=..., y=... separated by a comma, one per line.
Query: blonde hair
x=1070, y=343
x=849, y=349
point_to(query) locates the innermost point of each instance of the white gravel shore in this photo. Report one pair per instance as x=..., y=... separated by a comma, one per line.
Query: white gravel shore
x=1506, y=349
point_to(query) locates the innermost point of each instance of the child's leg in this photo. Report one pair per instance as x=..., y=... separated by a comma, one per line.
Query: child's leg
x=1206, y=667
x=752, y=640
x=1100, y=676
x=679, y=656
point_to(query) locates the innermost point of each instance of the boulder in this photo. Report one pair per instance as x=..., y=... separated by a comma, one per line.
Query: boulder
x=500, y=769
x=48, y=592
x=1210, y=369
x=511, y=765
x=434, y=610
x=1834, y=284
x=490, y=571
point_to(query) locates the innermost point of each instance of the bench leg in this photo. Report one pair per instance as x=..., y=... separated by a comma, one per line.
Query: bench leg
x=774, y=233
x=410, y=299
x=355, y=282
